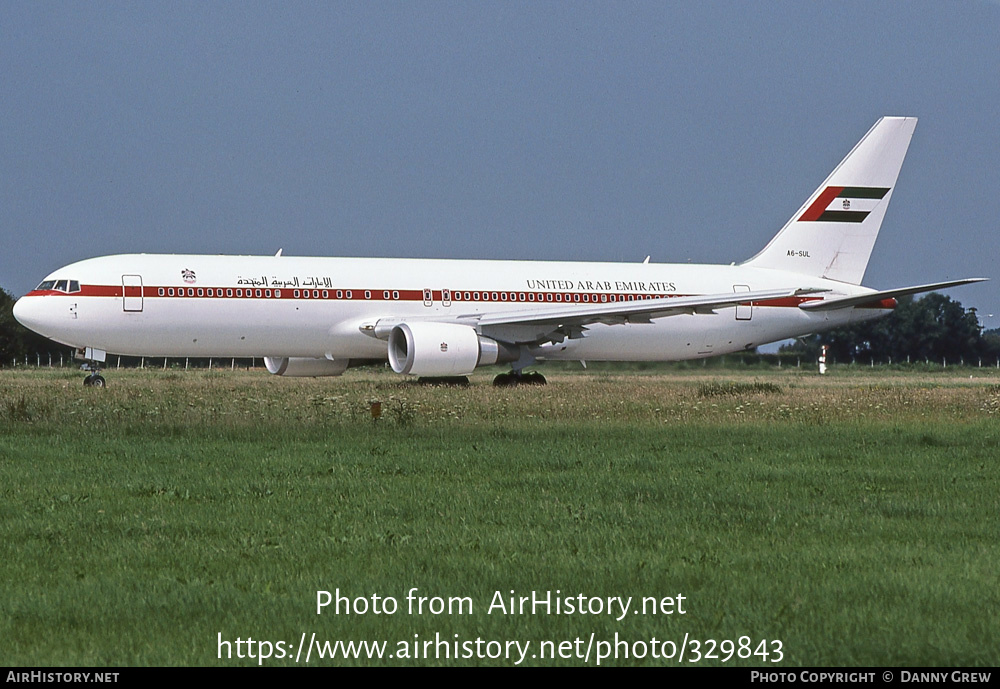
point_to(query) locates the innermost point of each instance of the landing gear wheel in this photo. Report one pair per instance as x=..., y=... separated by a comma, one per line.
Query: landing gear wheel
x=506, y=380
x=94, y=381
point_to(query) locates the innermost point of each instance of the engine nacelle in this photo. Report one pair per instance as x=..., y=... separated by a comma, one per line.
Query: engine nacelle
x=442, y=349
x=301, y=367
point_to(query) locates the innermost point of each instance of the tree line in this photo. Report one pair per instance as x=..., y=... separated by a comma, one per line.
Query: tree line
x=934, y=328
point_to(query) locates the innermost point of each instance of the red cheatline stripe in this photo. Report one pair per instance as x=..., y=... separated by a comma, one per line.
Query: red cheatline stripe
x=457, y=296
x=820, y=204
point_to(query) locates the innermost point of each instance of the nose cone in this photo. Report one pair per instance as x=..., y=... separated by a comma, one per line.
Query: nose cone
x=27, y=312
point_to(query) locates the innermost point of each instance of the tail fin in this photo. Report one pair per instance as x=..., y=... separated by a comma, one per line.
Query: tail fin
x=832, y=235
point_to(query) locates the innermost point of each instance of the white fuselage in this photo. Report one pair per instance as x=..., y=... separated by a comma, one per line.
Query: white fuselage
x=191, y=305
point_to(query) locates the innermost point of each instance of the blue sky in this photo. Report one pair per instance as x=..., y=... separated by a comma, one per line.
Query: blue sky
x=543, y=130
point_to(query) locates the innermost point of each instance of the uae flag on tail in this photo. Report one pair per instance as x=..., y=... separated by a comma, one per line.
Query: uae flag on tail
x=844, y=204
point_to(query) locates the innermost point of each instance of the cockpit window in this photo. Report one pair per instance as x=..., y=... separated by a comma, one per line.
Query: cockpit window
x=67, y=286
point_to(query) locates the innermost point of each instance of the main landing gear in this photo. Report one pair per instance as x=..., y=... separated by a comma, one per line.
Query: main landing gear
x=514, y=378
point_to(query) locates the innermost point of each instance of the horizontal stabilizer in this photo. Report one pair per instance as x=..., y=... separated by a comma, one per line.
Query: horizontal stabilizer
x=874, y=297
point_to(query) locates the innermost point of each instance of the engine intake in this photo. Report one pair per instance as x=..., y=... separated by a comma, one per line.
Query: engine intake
x=443, y=349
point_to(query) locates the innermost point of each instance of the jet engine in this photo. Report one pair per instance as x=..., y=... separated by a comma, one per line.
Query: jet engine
x=302, y=367
x=443, y=349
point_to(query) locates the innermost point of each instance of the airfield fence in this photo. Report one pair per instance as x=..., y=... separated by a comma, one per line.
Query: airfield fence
x=67, y=359
x=740, y=361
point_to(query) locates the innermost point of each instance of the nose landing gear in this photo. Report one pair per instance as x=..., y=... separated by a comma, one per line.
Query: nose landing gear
x=94, y=380
x=92, y=358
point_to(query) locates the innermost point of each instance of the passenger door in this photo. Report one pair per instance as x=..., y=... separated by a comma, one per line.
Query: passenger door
x=132, y=292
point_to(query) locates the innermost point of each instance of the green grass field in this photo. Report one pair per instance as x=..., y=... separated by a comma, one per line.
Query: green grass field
x=853, y=518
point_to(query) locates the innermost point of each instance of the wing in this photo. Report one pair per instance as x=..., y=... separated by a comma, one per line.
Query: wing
x=536, y=324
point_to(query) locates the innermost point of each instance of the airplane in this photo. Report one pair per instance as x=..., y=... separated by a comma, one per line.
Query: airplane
x=434, y=318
